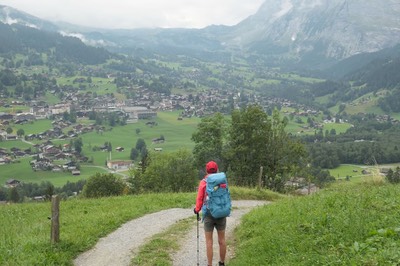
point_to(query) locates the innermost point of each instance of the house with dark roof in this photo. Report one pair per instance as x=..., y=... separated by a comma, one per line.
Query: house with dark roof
x=10, y=183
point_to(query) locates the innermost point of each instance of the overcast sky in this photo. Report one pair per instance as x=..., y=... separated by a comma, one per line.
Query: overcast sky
x=140, y=13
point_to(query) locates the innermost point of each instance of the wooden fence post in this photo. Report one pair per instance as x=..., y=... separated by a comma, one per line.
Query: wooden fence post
x=55, y=221
x=260, y=178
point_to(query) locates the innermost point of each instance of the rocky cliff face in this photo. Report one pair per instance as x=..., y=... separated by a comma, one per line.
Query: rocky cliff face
x=326, y=28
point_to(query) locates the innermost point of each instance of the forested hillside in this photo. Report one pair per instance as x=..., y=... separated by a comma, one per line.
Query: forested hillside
x=33, y=42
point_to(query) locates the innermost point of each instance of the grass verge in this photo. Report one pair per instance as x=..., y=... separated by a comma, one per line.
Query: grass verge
x=347, y=224
x=25, y=230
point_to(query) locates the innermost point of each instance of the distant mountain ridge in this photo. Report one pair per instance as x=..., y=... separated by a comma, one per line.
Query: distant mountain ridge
x=296, y=33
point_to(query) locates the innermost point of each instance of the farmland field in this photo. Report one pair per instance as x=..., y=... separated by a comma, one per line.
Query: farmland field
x=354, y=171
x=177, y=134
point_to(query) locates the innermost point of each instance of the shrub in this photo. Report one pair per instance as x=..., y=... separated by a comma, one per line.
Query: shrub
x=103, y=185
x=172, y=172
x=393, y=176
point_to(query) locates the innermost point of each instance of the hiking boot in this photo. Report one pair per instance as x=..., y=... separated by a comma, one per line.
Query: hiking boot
x=221, y=263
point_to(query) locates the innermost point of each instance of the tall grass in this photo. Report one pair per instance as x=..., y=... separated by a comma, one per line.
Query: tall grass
x=348, y=224
x=25, y=228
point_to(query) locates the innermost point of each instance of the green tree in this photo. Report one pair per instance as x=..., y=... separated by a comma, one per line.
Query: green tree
x=138, y=131
x=249, y=137
x=210, y=140
x=20, y=132
x=134, y=154
x=48, y=190
x=14, y=195
x=9, y=130
x=259, y=141
x=140, y=144
x=342, y=107
x=3, y=194
x=166, y=172
x=103, y=185
x=393, y=176
x=78, y=144
x=108, y=145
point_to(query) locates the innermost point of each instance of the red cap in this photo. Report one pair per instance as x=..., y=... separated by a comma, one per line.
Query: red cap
x=211, y=167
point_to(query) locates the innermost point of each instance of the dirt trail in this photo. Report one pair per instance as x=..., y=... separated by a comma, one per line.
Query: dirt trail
x=188, y=253
x=118, y=248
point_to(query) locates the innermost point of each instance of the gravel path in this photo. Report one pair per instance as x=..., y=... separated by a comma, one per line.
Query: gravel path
x=118, y=248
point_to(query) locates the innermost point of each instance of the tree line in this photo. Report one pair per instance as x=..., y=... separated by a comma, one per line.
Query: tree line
x=252, y=147
x=45, y=190
x=368, y=142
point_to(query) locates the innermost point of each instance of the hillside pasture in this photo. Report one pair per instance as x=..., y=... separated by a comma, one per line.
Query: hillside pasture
x=339, y=127
x=177, y=134
x=34, y=127
x=100, y=86
x=22, y=171
x=354, y=171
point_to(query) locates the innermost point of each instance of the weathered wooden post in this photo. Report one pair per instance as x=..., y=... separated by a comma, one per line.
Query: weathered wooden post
x=260, y=178
x=55, y=221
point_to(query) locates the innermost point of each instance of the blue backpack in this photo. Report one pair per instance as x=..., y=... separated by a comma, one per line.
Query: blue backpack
x=218, y=199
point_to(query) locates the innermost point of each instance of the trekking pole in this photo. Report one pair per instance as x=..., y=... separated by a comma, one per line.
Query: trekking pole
x=198, y=251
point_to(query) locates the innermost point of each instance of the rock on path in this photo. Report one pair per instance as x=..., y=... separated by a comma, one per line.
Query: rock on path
x=118, y=248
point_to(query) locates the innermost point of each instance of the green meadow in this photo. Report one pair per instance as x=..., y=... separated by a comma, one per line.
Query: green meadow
x=177, y=134
x=354, y=171
x=14, y=109
x=35, y=127
x=99, y=85
x=22, y=171
x=339, y=127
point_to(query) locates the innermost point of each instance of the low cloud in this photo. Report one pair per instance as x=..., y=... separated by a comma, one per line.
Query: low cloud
x=140, y=13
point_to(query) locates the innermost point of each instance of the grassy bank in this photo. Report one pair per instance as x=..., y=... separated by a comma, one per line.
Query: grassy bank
x=348, y=224
x=25, y=230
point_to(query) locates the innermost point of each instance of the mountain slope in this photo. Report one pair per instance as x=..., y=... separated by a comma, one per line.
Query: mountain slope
x=351, y=65
x=313, y=30
x=9, y=15
x=22, y=39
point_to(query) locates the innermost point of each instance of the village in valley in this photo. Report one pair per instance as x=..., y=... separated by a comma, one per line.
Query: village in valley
x=45, y=153
x=76, y=106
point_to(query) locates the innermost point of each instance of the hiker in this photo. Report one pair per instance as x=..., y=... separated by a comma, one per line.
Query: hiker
x=211, y=222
